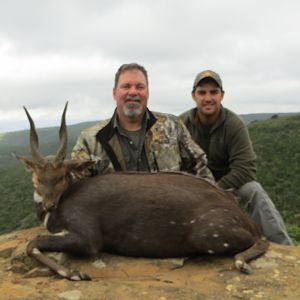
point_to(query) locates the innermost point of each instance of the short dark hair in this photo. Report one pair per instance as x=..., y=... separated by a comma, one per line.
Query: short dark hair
x=131, y=66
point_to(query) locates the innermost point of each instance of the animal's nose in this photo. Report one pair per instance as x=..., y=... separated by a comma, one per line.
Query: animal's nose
x=48, y=206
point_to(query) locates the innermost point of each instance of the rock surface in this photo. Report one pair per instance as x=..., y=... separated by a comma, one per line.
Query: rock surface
x=275, y=276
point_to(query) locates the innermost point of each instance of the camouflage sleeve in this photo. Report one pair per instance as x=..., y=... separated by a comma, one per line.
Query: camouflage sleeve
x=193, y=157
x=87, y=147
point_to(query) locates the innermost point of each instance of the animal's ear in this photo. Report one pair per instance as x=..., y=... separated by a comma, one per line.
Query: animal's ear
x=28, y=161
x=78, y=165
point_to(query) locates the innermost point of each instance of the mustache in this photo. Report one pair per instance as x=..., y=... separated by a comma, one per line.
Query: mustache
x=133, y=98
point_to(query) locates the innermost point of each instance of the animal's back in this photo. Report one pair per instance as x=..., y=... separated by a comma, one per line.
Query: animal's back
x=176, y=192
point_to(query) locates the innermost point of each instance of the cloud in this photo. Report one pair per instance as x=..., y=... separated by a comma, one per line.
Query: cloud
x=52, y=51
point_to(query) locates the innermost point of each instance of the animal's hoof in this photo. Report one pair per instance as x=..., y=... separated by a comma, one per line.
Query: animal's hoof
x=78, y=275
x=243, y=267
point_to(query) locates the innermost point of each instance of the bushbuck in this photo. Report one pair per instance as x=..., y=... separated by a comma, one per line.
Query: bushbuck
x=137, y=214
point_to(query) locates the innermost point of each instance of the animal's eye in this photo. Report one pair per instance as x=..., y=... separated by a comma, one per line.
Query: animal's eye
x=40, y=181
x=59, y=180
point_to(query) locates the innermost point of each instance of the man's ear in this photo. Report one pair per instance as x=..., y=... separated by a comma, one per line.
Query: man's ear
x=114, y=93
x=78, y=165
x=28, y=161
x=223, y=93
x=193, y=96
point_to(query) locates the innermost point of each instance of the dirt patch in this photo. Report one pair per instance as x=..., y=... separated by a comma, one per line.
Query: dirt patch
x=275, y=276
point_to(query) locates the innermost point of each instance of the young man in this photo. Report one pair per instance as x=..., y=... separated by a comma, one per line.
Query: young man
x=136, y=138
x=225, y=139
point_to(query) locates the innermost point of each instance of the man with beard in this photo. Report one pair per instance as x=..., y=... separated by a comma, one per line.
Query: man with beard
x=136, y=139
x=225, y=139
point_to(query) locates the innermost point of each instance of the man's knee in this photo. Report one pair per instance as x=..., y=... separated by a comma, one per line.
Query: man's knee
x=251, y=194
x=250, y=188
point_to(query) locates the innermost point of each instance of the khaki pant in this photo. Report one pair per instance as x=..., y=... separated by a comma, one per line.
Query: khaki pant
x=261, y=208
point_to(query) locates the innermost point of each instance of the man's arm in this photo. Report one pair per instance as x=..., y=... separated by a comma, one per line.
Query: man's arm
x=242, y=161
x=87, y=147
x=193, y=157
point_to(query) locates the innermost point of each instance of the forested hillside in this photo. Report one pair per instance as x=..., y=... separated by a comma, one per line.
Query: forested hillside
x=17, y=209
x=277, y=145
x=250, y=118
x=276, y=142
x=17, y=142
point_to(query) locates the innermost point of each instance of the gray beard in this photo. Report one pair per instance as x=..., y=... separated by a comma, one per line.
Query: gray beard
x=133, y=110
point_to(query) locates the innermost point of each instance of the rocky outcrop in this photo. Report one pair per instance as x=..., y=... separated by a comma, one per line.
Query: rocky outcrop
x=275, y=276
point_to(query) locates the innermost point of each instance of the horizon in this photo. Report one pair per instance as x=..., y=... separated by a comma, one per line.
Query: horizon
x=74, y=122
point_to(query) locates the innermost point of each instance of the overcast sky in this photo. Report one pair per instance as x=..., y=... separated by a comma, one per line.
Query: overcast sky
x=52, y=51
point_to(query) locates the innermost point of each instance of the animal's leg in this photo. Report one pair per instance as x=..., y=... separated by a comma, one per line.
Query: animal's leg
x=69, y=243
x=256, y=250
x=216, y=239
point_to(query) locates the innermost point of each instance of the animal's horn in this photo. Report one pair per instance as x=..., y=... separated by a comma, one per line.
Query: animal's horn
x=34, y=141
x=63, y=137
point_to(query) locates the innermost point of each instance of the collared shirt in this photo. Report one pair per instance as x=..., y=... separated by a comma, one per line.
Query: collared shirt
x=132, y=145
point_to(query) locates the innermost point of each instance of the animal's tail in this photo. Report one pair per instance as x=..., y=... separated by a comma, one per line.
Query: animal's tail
x=256, y=250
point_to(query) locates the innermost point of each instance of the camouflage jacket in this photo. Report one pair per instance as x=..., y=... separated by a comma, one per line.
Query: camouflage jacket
x=168, y=147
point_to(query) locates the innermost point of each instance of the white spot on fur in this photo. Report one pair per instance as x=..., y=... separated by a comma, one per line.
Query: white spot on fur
x=62, y=233
x=242, y=266
x=75, y=277
x=221, y=226
x=226, y=245
x=73, y=176
x=47, y=216
x=36, y=251
x=62, y=273
x=192, y=221
x=211, y=224
x=37, y=197
x=239, y=264
x=215, y=235
x=173, y=222
x=210, y=251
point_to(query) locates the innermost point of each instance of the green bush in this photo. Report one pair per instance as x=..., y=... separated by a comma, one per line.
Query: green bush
x=294, y=232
